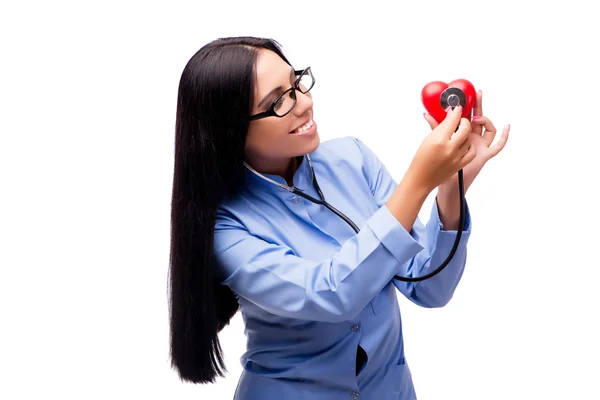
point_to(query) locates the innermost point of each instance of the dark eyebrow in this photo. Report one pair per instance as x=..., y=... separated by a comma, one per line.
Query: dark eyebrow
x=292, y=75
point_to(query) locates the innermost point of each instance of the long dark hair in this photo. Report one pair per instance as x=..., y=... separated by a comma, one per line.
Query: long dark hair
x=216, y=95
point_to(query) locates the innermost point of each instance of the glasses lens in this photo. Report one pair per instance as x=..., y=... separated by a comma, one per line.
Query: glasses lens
x=306, y=81
x=285, y=103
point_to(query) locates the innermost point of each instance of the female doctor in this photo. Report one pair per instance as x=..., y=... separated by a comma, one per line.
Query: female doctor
x=317, y=298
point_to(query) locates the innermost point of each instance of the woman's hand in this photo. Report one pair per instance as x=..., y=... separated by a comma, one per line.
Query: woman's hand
x=481, y=137
x=442, y=153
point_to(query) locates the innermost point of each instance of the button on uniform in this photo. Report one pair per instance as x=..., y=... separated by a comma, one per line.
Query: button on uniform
x=355, y=395
x=355, y=328
x=295, y=199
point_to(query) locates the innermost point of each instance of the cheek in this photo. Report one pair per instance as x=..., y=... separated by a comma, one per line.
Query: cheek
x=271, y=129
x=264, y=136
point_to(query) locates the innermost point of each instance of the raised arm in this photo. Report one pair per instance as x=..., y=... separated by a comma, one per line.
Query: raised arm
x=436, y=243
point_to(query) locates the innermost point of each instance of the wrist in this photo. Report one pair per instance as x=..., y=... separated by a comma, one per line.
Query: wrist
x=406, y=202
x=415, y=187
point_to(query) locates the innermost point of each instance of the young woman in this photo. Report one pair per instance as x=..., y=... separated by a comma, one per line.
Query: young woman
x=314, y=282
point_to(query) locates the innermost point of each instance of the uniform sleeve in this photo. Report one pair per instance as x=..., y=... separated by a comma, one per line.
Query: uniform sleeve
x=335, y=289
x=437, y=243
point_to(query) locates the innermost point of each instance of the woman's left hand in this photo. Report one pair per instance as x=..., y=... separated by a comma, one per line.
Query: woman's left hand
x=482, y=136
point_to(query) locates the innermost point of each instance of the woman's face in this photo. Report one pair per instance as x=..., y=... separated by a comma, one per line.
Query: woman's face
x=272, y=141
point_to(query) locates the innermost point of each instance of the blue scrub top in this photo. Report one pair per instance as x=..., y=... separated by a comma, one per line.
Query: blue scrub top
x=311, y=290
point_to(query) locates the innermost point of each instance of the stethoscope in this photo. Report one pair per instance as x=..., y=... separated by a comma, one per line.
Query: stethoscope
x=452, y=98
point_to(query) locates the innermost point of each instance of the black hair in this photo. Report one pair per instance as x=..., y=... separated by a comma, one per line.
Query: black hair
x=215, y=98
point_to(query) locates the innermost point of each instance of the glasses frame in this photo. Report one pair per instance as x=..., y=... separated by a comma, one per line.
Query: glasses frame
x=271, y=111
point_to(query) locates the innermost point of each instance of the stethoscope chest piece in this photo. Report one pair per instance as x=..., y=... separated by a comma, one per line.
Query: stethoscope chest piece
x=452, y=97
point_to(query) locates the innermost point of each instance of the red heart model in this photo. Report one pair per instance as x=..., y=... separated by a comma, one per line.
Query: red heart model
x=431, y=93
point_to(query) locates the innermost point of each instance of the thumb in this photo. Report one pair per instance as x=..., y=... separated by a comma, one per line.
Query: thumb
x=432, y=122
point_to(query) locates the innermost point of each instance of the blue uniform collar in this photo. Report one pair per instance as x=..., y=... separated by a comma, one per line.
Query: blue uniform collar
x=302, y=177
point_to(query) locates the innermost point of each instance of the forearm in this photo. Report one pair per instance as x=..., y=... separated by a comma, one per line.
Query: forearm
x=438, y=290
x=406, y=202
x=449, y=209
x=448, y=203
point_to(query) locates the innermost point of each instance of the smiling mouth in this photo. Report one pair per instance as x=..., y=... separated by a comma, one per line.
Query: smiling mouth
x=304, y=127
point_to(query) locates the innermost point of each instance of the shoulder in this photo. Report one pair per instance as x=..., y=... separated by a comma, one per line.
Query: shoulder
x=348, y=154
x=348, y=159
x=346, y=149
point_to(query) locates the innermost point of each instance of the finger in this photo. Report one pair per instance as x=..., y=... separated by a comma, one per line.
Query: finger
x=468, y=157
x=462, y=134
x=449, y=124
x=490, y=129
x=462, y=150
x=497, y=148
x=432, y=122
x=477, y=111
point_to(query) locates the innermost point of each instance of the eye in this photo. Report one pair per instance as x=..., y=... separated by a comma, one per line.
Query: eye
x=277, y=104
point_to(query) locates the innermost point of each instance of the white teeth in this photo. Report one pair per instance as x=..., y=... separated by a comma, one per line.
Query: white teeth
x=304, y=127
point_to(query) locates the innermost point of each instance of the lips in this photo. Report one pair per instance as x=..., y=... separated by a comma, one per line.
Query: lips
x=302, y=124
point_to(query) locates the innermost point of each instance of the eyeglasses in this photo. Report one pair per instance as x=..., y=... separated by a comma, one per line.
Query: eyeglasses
x=287, y=100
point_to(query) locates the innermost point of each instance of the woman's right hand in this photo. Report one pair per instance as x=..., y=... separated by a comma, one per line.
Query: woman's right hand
x=443, y=152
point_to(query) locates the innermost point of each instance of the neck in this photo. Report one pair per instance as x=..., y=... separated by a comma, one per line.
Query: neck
x=286, y=168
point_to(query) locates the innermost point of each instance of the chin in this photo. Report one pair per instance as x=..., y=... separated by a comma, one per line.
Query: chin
x=314, y=143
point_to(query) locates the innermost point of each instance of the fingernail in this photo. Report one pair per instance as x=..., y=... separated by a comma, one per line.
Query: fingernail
x=448, y=108
x=476, y=117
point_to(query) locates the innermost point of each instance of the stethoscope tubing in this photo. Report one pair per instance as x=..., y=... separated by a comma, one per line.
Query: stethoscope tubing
x=356, y=229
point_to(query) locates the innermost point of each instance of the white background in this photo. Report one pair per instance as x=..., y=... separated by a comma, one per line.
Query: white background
x=87, y=110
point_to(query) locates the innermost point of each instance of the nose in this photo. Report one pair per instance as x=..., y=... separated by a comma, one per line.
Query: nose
x=303, y=103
